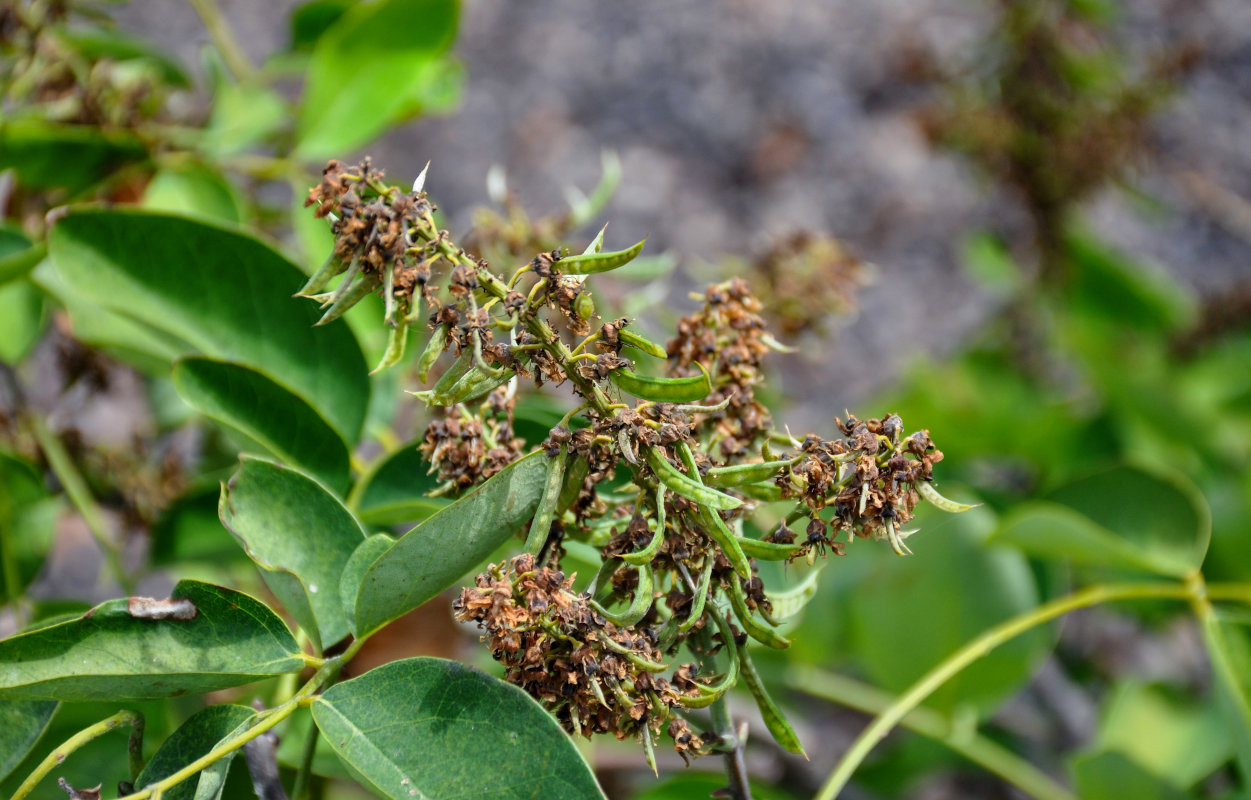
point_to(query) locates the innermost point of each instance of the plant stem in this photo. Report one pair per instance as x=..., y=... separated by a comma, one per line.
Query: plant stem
x=300, y=790
x=134, y=747
x=982, y=645
x=224, y=39
x=979, y=749
x=264, y=721
x=71, y=479
x=58, y=756
x=735, y=765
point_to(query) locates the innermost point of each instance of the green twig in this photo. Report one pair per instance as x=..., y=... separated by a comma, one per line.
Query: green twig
x=979, y=647
x=979, y=749
x=134, y=747
x=300, y=790
x=224, y=39
x=58, y=755
x=75, y=485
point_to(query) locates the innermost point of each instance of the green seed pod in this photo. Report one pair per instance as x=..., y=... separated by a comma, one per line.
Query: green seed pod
x=757, y=630
x=584, y=306
x=774, y=719
x=589, y=263
x=646, y=345
x=927, y=491
x=689, y=488
x=541, y=525
x=663, y=390
x=434, y=349
x=397, y=340
x=639, y=606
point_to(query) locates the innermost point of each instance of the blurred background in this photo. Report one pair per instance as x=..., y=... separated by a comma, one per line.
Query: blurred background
x=1022, y=224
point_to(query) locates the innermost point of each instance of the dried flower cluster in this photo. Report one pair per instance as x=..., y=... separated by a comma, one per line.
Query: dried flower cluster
x=868, y=478
x=728, y=337
x=593, y=676
x=468, y=449
x=805, y=279
x=43, y=69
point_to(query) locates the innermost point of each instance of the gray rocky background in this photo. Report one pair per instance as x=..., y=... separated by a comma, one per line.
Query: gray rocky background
x=738, y=120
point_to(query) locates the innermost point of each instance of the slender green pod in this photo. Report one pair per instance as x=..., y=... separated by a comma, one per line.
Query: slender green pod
x=715, y=527
x=638, y=607
x=646, y=555
x=767, y=551
x=434, y=348
x=638, y=342
x=397, y=341
x=700, y=597
x=774, y=719
x=928, y=492
x=541, y=525
x=757, y=630
x=742, y=474
x=591, y=263
x=679, y=483
x=663, y=390
x=355, y=293
x=631, y=656
x=331, y=267
x=790, y=602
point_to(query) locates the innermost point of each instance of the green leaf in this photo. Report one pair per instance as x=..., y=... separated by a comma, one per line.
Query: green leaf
x=27, y=523
x=394, y=492
x=1188, y=742
x=102, y=43
x=244, y=115
x=987, y=259
x=46, y=155
x=1112, y=776
x=108, y=654
x=119, y=336
x=1124, y=517
x=379, y=63
x=908, y=614
x=300, y=535
x=21, y=726
x=21, y=320
x=1230, y=652
x=193, y=739
x=1108, y=285
x=309, y=21
x=195, y=191
x=267, y=414
x=18, y=255
x=425, y=727
x=433, y=555
x=226, y=294
x=354, y=571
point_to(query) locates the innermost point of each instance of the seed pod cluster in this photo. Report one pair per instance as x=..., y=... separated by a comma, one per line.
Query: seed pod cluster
x=688, y=455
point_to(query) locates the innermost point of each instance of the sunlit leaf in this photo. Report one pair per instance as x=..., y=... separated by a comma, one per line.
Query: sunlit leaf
x=300, y=535
x=425, y=727
x=433, y=555
x=380, y=62
x=266, y=413
x=110, y=654
x=193, y=739
x=225, y=294
x=1125, y=517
